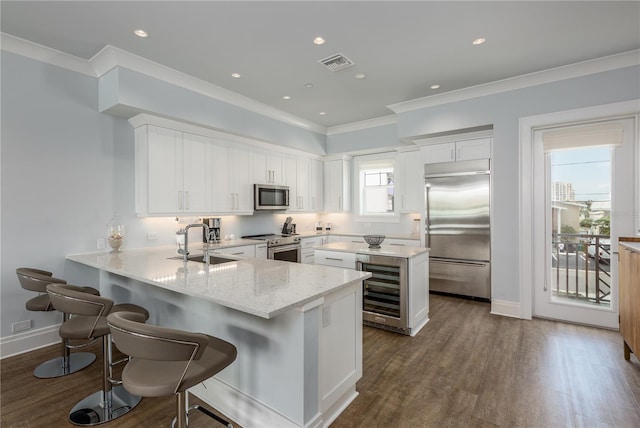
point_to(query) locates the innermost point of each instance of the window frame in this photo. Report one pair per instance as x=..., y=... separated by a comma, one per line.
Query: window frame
x=360, y=164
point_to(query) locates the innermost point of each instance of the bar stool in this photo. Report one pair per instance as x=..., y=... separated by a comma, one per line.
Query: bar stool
x=36, y=280
x=166, y=362
x=90, y=322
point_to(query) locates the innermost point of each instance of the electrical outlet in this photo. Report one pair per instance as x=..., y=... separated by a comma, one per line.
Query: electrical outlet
x=20, y=326
x=101, y=243
x=152, y=236
x=326, y=316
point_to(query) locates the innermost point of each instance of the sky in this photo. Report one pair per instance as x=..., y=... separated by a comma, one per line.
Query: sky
x=589, y=170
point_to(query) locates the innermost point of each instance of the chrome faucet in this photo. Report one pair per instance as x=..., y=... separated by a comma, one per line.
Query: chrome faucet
x=185, y=251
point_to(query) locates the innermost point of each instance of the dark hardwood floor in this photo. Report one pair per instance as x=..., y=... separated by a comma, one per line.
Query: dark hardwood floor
x=466, y=368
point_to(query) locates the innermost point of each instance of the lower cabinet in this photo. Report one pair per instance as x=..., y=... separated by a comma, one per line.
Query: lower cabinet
x=261, y=251
x=242, y=251
x=335, y=258
x=630, y=300
x=308, y=246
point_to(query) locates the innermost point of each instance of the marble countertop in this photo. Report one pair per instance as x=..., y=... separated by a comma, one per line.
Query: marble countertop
x=384, y=250
x=359, y=234
x=264, y=288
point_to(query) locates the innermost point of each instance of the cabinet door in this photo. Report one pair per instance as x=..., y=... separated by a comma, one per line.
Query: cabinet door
x=303, y=171
x=276, y=166
x=241, y=251
x=337, y=185
x=222, y=174
x=261, y=171
x=291, y=173
x=197, y=195
x=241, y=179
x=411, y=180
x=165, y=179
x=316, y=186
x=479, y=148
x=436, y=153
x=261, y=251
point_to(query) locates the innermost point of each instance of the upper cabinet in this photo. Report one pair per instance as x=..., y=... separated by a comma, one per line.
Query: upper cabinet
x=478, y=148
x=337, y=185
x=409, y=192
x=268, y=167
x=183, y=169
x=231, y=181
x=171, y=170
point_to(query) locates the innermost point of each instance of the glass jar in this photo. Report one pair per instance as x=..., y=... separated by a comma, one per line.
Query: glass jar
x=115, y=236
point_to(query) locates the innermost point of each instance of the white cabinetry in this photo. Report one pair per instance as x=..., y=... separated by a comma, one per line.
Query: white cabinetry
x=337, y=185
x=316, y=185
x=268, y=167
x=242, y=251
x=335, y=258
x=308, y=246
x=297, y=172
x=231, y=184
x=171, y=172
x=261, y=251
x=410, y=182
x=478, y=148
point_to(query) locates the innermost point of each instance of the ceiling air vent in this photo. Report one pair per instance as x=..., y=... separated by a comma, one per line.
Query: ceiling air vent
x=336, y=62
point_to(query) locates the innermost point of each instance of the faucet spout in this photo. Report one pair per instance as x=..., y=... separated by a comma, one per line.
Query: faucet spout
x=185, y=251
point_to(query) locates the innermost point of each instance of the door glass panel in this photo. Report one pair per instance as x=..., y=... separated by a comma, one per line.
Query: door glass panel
x=580, y=216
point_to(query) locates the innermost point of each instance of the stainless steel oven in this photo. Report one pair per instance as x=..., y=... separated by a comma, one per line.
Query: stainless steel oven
x=287, y=252
x=281, y=247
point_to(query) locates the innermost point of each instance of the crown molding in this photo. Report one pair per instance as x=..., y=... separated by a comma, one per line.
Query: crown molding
x=110, y=57
x=44, y=54
x=363, y=124
x=598, y=65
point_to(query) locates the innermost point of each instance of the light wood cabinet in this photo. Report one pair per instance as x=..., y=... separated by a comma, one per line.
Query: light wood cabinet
x=629, y=273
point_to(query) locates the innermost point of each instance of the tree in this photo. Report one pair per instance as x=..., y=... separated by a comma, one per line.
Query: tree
x=586, y=223
x=604, y=225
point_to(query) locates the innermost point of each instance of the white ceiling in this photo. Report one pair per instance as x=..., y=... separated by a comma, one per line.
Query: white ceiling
x=402, y=47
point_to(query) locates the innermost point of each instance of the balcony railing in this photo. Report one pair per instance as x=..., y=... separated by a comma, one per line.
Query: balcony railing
x=581, y=267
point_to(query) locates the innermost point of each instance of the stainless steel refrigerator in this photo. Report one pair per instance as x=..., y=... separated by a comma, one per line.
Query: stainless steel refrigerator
x=457, y=229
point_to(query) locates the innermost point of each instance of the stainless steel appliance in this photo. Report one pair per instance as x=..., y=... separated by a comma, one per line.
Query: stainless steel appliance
x=457, y=229
x=281, y=247
x=385, y=295
x=269, y=197
x=214, y=224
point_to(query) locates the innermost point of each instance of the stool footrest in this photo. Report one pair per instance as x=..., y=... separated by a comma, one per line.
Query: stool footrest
x=101, y=407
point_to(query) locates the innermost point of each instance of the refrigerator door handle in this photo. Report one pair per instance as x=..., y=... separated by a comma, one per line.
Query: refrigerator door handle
x=427, y=220
x=457, y=262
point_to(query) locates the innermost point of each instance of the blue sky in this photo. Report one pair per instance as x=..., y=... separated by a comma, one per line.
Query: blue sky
x=589, y=170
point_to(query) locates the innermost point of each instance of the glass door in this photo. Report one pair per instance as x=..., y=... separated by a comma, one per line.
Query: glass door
x=584, y=202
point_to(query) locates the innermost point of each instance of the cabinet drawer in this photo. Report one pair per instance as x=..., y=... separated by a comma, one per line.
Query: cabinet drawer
x=337, y=259
x=243, y=251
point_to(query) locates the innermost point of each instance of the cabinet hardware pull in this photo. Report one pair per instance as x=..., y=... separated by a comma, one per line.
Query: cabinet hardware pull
x=397, y=245
x=238, y=254
x=333, y=258
x=186, y=200
x=180, y=199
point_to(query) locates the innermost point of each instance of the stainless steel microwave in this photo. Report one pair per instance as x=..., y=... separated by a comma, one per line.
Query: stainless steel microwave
x=270, y=197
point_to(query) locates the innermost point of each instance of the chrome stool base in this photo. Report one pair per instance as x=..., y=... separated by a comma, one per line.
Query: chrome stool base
x=93, y=410
x=56, y=368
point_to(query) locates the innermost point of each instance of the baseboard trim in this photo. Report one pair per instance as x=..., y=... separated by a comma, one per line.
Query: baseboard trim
x=238, y=406
x=505, y=308
x=20, y=343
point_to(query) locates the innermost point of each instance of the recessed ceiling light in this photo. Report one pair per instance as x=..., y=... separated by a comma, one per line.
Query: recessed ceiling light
x=318, y=41
x=359, y=75
x=286, y=97
x=308, y=85
x=236, y=75
x=479, y=41
x=141, y=33
x=434, y=86
x=323, y=113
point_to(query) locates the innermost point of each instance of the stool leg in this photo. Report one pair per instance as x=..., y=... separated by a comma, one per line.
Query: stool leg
x=66, y=364
x=181, y=409
x=107, y=404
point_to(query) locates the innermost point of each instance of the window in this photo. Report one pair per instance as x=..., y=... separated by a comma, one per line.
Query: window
x=375, y=179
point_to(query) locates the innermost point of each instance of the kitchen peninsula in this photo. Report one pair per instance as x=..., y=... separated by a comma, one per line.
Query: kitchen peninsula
x=298, y=328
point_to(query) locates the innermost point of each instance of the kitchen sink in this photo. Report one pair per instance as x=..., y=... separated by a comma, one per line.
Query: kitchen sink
x=214, y=260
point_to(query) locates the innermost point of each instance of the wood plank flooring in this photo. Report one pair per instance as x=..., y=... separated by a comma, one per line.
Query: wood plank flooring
x=467, y=368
